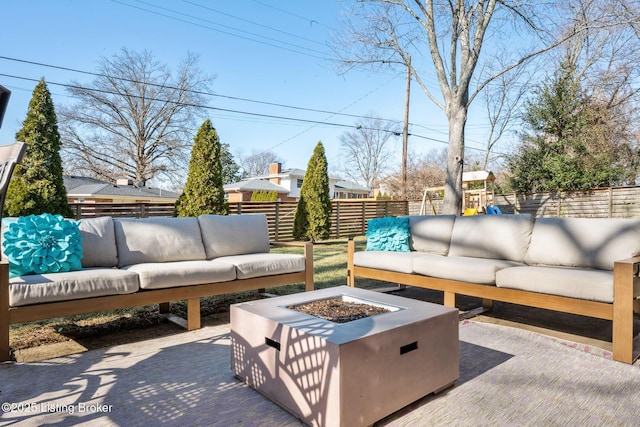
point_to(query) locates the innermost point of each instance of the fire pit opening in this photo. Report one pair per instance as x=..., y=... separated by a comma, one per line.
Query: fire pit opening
x=342, y=309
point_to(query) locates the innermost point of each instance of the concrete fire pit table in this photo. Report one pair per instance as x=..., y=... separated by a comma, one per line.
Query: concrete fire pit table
x=344, y=374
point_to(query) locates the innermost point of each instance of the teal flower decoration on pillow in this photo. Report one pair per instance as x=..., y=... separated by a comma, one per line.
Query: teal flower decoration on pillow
x=388, y=234
x=38, y=244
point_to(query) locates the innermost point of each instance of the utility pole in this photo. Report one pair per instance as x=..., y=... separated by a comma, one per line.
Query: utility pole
x=405, y=133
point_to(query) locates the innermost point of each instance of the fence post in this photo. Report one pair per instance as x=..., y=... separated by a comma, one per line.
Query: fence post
x=516, y=207
x=559, y=204
x=277, y=231
x=143, y=211
x=338, y=219
x=239, y=208
x=364, y=220
x=610, y=202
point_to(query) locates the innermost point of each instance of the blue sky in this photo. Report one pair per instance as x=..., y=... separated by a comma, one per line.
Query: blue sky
x=264, y=50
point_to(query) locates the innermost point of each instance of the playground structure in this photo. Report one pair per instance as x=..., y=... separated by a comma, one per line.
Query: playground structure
x=477, y=194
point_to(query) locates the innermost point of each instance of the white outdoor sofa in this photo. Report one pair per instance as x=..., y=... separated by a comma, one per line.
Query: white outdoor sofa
x=584, y=266
x=134, y=262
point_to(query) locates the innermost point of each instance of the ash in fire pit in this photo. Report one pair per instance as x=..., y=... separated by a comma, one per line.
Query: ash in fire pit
x=339, y=309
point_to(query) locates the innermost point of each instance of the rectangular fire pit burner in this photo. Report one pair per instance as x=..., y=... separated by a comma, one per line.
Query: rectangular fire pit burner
x=344, y=374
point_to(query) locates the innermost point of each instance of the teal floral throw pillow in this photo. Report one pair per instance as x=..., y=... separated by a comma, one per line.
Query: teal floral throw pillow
x=38, y=244
x=388, y=234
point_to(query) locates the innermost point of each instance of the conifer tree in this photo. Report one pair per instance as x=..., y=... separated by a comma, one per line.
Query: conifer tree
x=37, y=186
x=204, y=192
x=571, y=140
x=312, y=219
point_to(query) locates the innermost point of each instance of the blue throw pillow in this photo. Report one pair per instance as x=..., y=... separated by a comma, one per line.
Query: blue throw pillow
x=38, y=244
x=388, y=234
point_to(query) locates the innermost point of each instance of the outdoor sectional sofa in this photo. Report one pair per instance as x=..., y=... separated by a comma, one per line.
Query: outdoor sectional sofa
x=584, y=266
x=133, y=262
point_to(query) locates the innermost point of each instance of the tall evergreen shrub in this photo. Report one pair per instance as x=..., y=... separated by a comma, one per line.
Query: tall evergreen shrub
x=204, y=192
x=37, y=185
x=312, y=219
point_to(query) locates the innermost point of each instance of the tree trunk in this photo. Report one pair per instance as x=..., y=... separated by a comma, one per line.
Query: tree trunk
x=455, y=160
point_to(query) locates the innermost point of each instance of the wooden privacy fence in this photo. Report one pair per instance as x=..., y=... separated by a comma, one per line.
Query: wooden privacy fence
x=350, y=217
x=347, y=217
x=613, y=202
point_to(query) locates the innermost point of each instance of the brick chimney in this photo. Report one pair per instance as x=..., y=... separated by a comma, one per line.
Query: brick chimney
x=275, y=169
x=124, y=181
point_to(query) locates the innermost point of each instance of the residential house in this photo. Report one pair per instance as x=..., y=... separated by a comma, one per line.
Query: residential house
x=287, y=183
x=90, y=190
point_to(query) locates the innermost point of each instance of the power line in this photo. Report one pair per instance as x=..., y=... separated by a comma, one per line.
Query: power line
x=253, y=114
x=234, y=98
x=310, y=21
x=271, y=116
x=305, y=50
x=252, y=22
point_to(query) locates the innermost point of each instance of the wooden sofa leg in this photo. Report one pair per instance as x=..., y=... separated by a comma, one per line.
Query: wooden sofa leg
x=309, y=284
x=449, y=299
x=351, y=280
x=163, y=307
x=487, y=304
x=193, y=314
x=4, y=312
x=5, y=352
x=623, y=312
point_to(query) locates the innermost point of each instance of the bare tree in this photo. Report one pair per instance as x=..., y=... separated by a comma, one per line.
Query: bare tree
x=422, y=171
x=366, y=152
x=257, y=162
x=134, y=120
x=503, y=98
x=455, y=33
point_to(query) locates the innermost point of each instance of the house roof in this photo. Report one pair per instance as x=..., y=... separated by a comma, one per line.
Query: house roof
x=351, y=186
x=255, y=185
x=283, y=174
x=82, y=186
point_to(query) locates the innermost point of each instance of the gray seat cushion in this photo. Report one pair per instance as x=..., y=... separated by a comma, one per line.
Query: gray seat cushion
x=92, y=282
x=431, y=233
x=583, y=242
x=158, y=240
x=225, y=235
x=466, y=269
x=402, y=262
x=587, y=284
x=491, y=236
x=98, y=242
x=182, y=273
x=258, y=265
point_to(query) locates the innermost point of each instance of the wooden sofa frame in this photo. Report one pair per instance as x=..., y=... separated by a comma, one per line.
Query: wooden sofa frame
x=162, y=297
x=620, y=312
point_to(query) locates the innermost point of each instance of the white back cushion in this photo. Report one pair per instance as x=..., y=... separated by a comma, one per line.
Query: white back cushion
x=225, y=235
x=431, y=233
x=98, y=242
x=158, y=240
x=491, y=236
x=583, y=242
